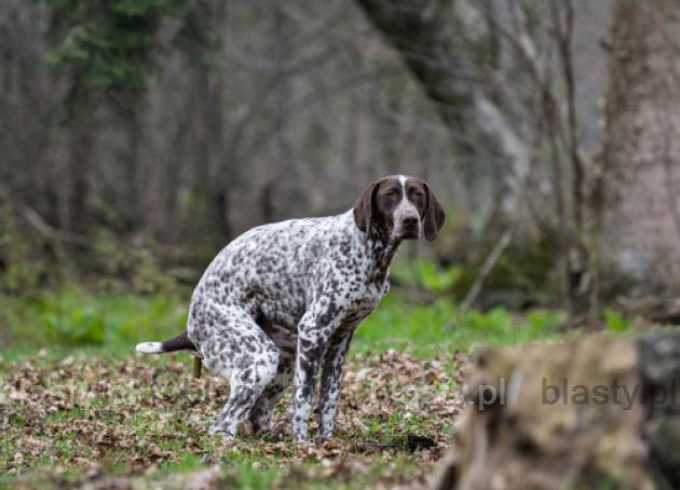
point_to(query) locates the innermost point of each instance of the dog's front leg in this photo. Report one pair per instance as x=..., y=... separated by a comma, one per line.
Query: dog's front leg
x=312, y=338
x=331, y=381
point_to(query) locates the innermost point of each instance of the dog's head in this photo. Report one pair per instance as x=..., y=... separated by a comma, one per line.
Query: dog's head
x=398, y=207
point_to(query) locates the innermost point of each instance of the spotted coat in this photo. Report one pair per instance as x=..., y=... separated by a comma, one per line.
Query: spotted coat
x=280, y=303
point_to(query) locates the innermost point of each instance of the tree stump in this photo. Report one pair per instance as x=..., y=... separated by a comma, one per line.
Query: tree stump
x=594, y=412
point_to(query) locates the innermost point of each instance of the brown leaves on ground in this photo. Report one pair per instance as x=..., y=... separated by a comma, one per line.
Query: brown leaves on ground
x=100, y=421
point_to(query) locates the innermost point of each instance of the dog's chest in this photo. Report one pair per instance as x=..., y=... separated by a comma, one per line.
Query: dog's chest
x=364, y=298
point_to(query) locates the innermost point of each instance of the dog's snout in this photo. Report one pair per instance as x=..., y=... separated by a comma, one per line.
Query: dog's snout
x=410, y=222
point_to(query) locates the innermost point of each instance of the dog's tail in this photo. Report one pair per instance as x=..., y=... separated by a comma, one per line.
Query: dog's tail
x=181, y=342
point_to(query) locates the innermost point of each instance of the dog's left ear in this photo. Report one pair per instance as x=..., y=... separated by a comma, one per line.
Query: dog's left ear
x=434, y=215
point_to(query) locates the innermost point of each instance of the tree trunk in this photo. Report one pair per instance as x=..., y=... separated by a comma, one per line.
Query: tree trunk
x=79, y=178
x=420, y=31
x=642, y=150
x=136, y=190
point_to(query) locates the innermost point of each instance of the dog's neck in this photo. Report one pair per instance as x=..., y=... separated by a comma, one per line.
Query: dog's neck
x=379, y=249
x=381, y=253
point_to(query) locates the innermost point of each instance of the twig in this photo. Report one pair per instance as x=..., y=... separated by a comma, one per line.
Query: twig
x=44, y=228
x=484, y=272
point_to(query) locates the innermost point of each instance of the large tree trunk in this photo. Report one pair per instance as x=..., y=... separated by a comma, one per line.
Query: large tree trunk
x=421, y=32
x=642, y=147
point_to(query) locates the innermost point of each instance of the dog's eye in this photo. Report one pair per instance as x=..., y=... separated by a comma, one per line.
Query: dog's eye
x=393, y=193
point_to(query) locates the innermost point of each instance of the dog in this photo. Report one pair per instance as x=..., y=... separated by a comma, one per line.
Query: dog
x=281, y=302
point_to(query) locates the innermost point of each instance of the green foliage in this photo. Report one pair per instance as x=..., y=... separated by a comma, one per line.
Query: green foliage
x=74, y=318
x=426, y=274
x=68, y=321
x=127, y=265
x=542, y=320
x=615, y=321
x=109, y=44
x=436, y=279
x=22, y=259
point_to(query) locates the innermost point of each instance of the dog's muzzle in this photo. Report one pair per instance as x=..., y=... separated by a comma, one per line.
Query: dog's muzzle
x=410, y=228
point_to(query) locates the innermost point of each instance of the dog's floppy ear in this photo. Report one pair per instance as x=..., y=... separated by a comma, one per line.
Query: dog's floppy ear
x=363, y=208
x=434, y=215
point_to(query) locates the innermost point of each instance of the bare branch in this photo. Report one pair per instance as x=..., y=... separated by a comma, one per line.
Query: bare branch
x=484, y=272
x=45, y=229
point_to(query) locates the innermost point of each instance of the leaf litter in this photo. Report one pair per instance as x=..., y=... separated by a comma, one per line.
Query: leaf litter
x=101, y=423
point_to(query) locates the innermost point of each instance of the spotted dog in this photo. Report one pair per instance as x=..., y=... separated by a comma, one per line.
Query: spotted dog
x=281, y=302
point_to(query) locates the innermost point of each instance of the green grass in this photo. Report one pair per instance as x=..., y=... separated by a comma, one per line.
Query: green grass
x=427, y=330
x=72, y=319
x=110, y=325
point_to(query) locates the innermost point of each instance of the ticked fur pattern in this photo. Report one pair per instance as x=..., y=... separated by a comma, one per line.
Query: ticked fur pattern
x=279, y=304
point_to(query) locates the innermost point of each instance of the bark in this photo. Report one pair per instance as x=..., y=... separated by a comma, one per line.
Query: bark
x=420, y=31
x=213, y=173
x=80, y=166
x=135, y=215
x=642, y=149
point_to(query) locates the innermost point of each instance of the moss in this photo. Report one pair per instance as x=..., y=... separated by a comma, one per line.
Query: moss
x=526, y=266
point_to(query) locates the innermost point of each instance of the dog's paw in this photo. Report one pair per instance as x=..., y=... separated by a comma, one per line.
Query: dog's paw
x=218, y=430
x=322, y=439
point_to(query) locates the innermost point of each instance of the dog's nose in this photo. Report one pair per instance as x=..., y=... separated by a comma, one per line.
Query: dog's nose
x=410, y=222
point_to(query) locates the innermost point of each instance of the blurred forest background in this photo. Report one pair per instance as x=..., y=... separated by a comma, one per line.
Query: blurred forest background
x=139, y=136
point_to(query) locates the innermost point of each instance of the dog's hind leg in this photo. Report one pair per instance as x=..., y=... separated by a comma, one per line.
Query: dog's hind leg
x=261, y=415
x=237, y=348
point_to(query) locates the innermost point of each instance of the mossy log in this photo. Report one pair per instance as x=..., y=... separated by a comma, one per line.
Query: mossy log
x=595, y=412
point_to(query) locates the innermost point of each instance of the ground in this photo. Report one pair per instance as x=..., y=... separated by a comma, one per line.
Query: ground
x=92, y=413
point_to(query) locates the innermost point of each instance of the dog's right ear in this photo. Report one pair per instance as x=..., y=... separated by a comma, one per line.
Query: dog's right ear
x=363, y=208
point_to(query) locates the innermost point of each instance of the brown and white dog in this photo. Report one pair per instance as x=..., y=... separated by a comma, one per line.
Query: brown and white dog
x=281, y=302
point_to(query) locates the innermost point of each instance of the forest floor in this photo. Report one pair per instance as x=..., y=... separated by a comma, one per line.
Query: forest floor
x=78, y=408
